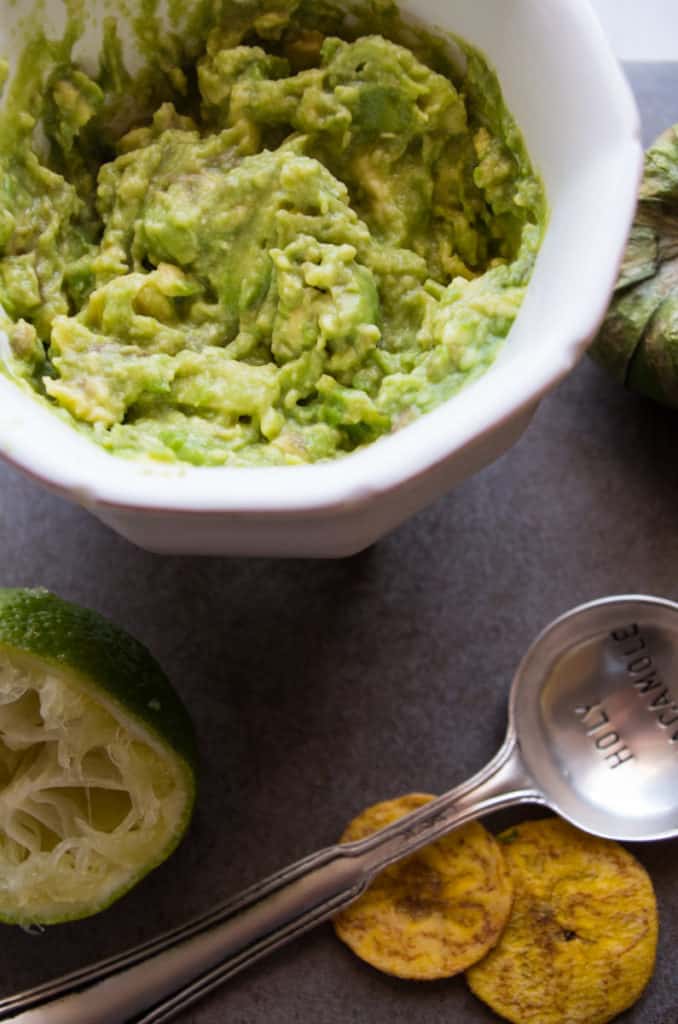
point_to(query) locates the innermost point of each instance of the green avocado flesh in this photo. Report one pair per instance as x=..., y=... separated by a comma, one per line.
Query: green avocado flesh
x=267, y=248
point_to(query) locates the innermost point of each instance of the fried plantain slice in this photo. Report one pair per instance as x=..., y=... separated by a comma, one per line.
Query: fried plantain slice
x=580, y=944
x=437, y=912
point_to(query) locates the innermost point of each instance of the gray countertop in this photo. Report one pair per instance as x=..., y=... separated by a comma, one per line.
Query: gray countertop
x=318, y=688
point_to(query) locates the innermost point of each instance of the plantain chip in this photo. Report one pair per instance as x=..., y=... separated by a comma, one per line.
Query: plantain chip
x=437, y=912
x=580, y=944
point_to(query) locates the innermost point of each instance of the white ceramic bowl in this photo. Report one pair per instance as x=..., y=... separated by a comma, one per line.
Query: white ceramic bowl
x=580, y=123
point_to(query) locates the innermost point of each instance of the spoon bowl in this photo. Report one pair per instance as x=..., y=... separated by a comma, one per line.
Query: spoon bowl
x=594, y=708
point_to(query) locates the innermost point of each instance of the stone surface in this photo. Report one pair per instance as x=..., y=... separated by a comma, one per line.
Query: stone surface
x=318, y=688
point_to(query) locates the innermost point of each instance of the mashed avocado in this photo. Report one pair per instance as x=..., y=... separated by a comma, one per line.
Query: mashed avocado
x=272, y=251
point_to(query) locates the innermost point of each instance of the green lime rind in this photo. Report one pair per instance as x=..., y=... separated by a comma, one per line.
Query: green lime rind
x=638, y=342
x=62, y=913
x=40, y=623
x=101, y=695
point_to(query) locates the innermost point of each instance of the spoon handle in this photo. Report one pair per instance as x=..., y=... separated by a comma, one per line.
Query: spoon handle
x=151, y=984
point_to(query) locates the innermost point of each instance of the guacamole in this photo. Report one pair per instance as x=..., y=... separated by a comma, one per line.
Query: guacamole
x=270, y=251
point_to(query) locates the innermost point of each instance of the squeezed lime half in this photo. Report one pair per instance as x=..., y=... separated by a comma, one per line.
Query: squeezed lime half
x=97, y=761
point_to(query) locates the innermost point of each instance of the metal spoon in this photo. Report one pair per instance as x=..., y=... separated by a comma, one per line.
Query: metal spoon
x=593, y=735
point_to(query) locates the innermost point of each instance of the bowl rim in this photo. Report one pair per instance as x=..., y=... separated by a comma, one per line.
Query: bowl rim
x=104, y=480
